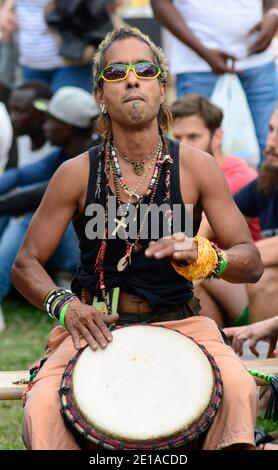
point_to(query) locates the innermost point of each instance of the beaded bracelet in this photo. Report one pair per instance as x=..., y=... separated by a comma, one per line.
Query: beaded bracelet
x=211, y=262
x=62, y=315
x=221, y=262
x=61, y=301
x=204, y=264
x=51, y=296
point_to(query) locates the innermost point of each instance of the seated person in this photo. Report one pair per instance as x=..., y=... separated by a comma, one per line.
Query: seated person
x=153, y=276
x=242, y=303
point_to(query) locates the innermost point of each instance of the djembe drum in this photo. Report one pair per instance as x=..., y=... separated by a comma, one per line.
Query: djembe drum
x=152, y=388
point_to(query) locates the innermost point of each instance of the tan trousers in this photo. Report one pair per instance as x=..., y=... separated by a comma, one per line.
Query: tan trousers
x=44, y=428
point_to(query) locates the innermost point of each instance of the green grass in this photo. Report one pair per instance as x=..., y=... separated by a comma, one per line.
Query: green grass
x=21, y=344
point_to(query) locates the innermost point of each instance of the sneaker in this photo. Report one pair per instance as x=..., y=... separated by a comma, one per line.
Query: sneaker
x=2, y=320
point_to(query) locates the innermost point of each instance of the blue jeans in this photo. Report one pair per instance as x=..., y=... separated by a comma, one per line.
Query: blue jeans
x=79, y=76
x=259, y=83
x=4, y=221
x=66, y=256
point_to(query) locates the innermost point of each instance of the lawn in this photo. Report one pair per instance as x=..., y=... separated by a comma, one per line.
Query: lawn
x=21, y=343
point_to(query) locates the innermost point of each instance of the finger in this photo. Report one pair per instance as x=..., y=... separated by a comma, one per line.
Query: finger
x=255, y=28
x=179, y=256
x=168, y=251
x=180, y=236
x=89, y=338
x=155, y=250
x=271, y=347
x=231, y=331
x=252, y=347
x=110, y=319
x=237, y=345
x=184, y=245
x=75, y=339
x=103, y=334
x=260, y=45
x=229, y=56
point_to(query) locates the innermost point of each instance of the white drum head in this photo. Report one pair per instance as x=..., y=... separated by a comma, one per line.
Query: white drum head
x=150, y=383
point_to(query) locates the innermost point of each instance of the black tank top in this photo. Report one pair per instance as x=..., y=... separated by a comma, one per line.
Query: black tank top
x=154, y=280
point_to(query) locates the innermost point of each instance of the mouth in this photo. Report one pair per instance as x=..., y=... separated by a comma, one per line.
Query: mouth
x=134, y=98
x=271, y=156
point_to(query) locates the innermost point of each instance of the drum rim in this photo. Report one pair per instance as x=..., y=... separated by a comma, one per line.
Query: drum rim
x=73, y=416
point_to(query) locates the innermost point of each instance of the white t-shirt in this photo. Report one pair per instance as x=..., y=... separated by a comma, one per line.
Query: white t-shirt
x=6, y=135
x=218, y=24
x=37, y=48
x=25, y=153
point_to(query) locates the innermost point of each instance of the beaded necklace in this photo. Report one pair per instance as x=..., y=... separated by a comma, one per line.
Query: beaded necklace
x=138, y=165
x=136, y=246
x=125, y=260
x=132, y=192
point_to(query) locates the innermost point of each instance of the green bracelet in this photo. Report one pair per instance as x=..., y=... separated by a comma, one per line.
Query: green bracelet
x=222, y=267
x=62, y=315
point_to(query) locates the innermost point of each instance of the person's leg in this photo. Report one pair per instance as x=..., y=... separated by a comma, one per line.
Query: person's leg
x=9, y=246
x=4, y=222
x=79, y=76
x=234, y=423
x=195, y=82
x=263, y=296
x=231, y=299
x=261, y=87
x=209, y=308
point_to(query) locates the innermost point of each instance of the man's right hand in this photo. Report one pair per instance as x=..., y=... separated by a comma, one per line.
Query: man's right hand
x=85, y=321
x=218, y=61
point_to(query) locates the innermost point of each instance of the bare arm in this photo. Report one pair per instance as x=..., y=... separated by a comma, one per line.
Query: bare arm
x=169, y=16
x=230, y=228
x=45, y=232
x=61, y=201
x=266, y=29
x=228, y=224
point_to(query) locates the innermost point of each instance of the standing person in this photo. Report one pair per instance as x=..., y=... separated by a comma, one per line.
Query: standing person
x=209, y=34
x=39, y=55
x=130, y=75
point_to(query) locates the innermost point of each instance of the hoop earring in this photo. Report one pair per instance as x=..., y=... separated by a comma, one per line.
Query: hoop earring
x=103, y=108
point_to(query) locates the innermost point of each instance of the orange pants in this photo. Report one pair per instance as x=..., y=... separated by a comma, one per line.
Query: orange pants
x=44, y=428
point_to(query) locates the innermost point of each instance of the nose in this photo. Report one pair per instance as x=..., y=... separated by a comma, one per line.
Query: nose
x=131, y=79
x=185, y=140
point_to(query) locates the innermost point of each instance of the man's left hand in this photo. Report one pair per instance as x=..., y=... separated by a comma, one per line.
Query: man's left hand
x=178, y=247
x=266, y=29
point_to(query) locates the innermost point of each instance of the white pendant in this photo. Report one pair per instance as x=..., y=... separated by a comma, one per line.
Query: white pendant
x=122, y=264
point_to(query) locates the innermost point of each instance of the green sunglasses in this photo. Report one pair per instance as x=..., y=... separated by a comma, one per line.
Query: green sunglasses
x=118, y=72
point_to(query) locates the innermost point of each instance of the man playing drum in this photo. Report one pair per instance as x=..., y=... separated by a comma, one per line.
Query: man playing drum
x=138, y=276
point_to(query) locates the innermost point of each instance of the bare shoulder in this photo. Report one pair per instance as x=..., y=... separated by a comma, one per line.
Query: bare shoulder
x=201, y=168
x=76, y=166
x=70, y=181
x=196, y=161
